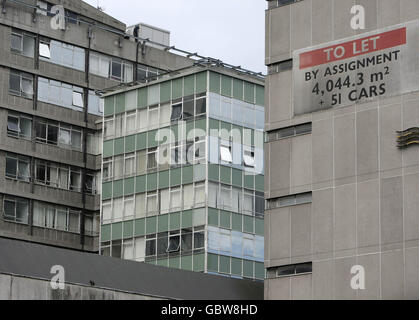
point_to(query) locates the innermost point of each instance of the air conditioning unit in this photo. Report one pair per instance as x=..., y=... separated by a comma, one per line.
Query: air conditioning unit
x=161, y=37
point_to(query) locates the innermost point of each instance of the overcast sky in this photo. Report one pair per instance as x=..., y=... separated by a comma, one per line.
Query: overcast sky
x=230, y=30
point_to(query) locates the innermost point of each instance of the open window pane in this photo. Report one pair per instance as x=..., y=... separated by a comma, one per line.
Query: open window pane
x=78, y=99
x=13, y=125
x=44, y=50
x=225, y=153
x=176, y=112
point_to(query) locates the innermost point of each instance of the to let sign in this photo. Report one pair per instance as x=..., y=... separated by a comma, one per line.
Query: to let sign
x=357, y=69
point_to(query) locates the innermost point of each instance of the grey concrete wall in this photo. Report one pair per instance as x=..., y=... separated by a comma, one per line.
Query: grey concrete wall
x=20, y=288
x=365, y=207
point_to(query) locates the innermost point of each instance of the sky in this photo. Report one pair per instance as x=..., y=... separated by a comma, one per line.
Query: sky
x=230, y=30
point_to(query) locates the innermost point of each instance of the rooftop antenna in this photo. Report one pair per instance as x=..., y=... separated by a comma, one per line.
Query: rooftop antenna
x=99, y=7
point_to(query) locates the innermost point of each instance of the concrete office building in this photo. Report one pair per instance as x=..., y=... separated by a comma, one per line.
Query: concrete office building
x=183, y=171
x=50, y=117
x=342, y=160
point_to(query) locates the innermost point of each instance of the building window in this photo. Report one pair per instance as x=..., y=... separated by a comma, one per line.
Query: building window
x=61, y=94
x=62, y=54
x=290, y=270
x=152, y=159
x=21, y=84
x=58, y=134
x=289, y=132
x=19, y=126
x=288, y=201
x=112, y=68
x=152, y=204
x=16, y=209
x=95, y=104
x=107, y=169
x=23, y=43
x=199, y=194
x=147, y=73
x=176, y=112
x=18, y=167
x=90, y=184
x=175, y=199
x=201, y=104
x=56, y=217
x=129, y=164
x=248, y=202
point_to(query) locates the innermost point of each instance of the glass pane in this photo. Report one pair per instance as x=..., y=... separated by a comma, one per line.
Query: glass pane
x=78, y=99
x=28, y=46
x=188, y=108
x=186, y=245
x=14, y=83
x=140, y=205
x=52, y=134
x=76, y=140
x=116, y=70
x=199, y=240
x=16, y=42
x=61, y=220
x=64, y=136
x=150, y=248
x=188, y=196
x=11, y=168
x=13, y=124
x=9, y=209
x=22, y=207
x=201, y=106
x=176, y=112
x=26, y=128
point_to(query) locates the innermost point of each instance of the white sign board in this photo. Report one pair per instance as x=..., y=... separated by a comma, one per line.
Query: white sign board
x=357, y=69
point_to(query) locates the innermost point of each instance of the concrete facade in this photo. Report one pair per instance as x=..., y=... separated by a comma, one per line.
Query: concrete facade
x=364, y=208
x=24, y=30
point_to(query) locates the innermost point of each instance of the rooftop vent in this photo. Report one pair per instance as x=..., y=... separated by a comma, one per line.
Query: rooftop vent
x=159, y=37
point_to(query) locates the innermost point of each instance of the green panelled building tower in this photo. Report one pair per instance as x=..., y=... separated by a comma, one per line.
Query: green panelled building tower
x=183, y=171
